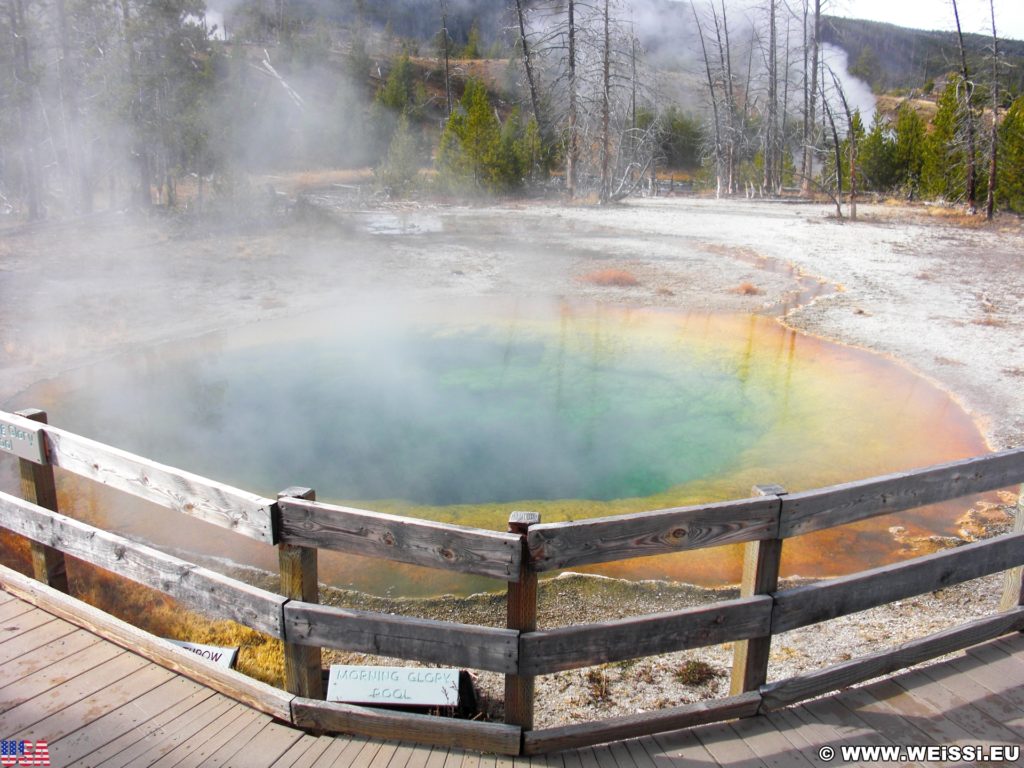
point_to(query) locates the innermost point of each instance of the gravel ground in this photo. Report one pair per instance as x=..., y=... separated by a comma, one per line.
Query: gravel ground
x=915, y=284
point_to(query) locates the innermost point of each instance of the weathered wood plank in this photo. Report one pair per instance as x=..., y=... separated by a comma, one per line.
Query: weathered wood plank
x=199, y=588
x=143, y=715
x=1013, y=579
x=603, y=539
x=33, y=708
x=555, y=650
x=36, y=680
x=47, y=652
x=402, y=637
x=260, y=696
x=216, y=503
x=38, y=485
x=110, y=697
x=423, y=729
x=202, y=744
x=13, y=646
x=849, y=502
x=403, y=539
x=97, y=743
x=300, y=581
x=521, y=615
x=794, y=689
x=838, y=597
x=154, y=744
x=613, y=729
x=761, y=561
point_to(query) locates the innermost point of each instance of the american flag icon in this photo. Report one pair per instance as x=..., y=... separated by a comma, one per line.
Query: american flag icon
x=24, y=752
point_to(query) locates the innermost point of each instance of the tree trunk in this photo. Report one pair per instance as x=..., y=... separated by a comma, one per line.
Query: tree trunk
x=447, y=68
x=773, y=104
x=972, y=194
x=22, y=76
x=571, y=157
x=606, y=105
x=527, y=64
x=990, y=200
x=812, y=90
x=714, y=103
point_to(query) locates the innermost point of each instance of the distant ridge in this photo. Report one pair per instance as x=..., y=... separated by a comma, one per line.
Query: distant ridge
x=889, y=57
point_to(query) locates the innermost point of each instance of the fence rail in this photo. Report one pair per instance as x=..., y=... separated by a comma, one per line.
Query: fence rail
x=299, y=526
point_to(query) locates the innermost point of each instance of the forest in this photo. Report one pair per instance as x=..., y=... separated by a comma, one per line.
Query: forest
x=164, y=104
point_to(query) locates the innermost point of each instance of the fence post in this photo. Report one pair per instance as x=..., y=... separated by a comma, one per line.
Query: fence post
x=522, y=615
x=48, y=564
x=299, y=581
x=760, y=577
x=1013, y=584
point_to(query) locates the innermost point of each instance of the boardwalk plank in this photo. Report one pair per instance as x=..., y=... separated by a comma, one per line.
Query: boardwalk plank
x=105, y=700
x=10, y=611
x=992, y=704
x=924, y=716
x=132, y=716
x=15, y=626
x=52, y=689
x=127, y=739
x=171, y=746
x=328, y=751
x=994, y=675
x=384, y=755
x=44, y=656
x=955, y=707
x=216, y=745
x=683, y=748
x=31, y=639
x=764, y=740
x=158, y=743
x=264, y=749
x=303, y=745
x=720, y=740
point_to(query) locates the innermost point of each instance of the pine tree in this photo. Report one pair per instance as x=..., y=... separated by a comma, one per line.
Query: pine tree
x=1010, y=188
x=942, y=169
x=877, y=156
x=908, y=148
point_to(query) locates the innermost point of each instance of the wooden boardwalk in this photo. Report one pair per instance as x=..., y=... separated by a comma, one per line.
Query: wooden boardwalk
x=99, y=705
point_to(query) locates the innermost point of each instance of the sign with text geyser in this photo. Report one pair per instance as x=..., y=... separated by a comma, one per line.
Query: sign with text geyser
x=401, y=686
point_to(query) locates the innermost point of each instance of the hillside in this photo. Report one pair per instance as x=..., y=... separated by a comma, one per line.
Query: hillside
x=896, y=58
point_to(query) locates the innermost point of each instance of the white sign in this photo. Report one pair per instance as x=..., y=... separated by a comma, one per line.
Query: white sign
x=409, y=686
x=222, y=657
x=22, y=437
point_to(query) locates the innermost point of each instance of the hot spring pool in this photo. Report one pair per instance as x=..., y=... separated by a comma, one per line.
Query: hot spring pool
x=467, y=411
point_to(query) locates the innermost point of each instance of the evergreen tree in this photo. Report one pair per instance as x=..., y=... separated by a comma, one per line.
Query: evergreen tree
x=399, y=170
x=943, y=170
x=877, y=156
x=908, y=148
x=478, y=153
x=1010, y=189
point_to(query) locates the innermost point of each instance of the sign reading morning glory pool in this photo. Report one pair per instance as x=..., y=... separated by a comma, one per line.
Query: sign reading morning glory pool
x=404, y=686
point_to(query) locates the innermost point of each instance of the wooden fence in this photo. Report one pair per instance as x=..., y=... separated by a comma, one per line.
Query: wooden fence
x=299, y=526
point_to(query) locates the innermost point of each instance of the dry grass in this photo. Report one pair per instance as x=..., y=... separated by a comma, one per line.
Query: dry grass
x=991, y=321
x=694, y=672
x=746, y=289
x=260, y=656
x=619, y=278
x=597, y=682
x=318, y=179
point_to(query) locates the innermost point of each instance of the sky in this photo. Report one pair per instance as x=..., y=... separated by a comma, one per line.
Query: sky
x=937, y=14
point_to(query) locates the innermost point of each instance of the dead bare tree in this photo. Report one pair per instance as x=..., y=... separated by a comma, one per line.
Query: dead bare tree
x=810, y=91
x=968, y=116
x=714, y=103
x=528, y=63
x=851, y=138
x=994, y=138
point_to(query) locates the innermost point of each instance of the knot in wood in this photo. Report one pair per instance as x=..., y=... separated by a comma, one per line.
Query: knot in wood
x=679, y=533
x=388, y=538
x=119, y=551
x=447, y=554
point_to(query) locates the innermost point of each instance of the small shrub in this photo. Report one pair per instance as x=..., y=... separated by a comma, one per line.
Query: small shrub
x=597, y=682
x=694, y=672
x=619, y=278
x=747, y=289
